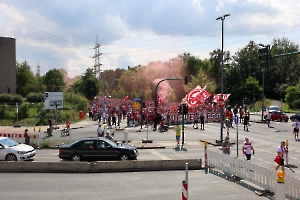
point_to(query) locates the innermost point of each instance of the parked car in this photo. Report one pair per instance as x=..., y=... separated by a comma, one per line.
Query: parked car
x=278, y=116
x=295, y=116
x=93, y=149
x=274, y=108
x=11, y=150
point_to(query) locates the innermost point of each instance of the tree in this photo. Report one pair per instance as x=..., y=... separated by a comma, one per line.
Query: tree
x=284, y=69
x=24, y=76
x=90, y=84
x=54, y=81
x=293, y=95
x=215, y=69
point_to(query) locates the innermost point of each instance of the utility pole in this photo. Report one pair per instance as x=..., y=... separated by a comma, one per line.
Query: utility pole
x=97, y=58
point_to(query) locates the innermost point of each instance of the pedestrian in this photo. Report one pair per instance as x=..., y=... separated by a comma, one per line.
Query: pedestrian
x=202, y=118
x=109, y=136
x=226, y=146
x=26, y=137
x=296, y=125
x=269, y=118
x=246, y=122
x=247, y=147
x=100, y=131
x=282, y=153
x=68, y=126
x=50, y=129
x=177, y=130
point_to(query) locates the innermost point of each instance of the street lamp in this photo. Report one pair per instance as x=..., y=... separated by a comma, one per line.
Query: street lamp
x=222, y=18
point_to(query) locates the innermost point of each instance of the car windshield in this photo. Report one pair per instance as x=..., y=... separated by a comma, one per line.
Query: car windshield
x=8, y=142
x=111, y=143
x=275, y=108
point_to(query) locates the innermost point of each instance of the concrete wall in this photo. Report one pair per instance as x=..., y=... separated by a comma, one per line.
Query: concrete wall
x=7, y=64
x=103, y=166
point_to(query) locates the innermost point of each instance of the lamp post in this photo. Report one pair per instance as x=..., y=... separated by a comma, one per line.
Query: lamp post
x=222, y=18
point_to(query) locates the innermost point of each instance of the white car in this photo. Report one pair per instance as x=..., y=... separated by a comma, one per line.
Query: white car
x=11, y=150
x=274, y=108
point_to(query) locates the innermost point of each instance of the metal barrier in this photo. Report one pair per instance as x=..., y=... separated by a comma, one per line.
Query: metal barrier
x=259, y=175
x=19, y=137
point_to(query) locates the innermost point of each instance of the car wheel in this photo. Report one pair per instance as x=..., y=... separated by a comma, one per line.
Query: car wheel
x=124, y=157
x=76, y=158
x=11, y=157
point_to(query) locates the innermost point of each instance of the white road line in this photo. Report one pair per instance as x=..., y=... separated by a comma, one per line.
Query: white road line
x=162, y=157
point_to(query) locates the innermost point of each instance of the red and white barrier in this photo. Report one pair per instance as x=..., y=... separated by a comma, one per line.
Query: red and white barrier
x=19, y=137
x=184, y=194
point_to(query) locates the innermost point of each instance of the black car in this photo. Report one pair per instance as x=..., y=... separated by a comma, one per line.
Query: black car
x=93, y=149
x=296, y=116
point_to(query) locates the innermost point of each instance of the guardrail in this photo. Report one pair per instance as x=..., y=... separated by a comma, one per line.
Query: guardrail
x=101, y=166
x=259, y=175
x=19, y=137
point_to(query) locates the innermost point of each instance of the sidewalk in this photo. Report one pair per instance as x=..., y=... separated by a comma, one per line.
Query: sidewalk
x=42, y=129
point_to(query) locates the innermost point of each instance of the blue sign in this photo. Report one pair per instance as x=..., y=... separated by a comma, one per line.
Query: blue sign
x=236, y=119
x=104, y=103
x=17, y=105
x=137, y=99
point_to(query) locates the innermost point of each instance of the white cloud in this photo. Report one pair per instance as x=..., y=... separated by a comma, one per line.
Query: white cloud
x=61, y=34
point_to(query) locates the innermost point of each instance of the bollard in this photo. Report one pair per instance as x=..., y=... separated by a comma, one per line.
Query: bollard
x=205, y=152
x=125, y=137
x=280, y=187
x=184, y=194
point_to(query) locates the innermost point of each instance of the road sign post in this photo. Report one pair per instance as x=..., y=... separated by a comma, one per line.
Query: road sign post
x=236, y=121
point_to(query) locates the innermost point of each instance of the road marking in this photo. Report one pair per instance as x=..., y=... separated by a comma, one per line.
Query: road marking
x=162, y=157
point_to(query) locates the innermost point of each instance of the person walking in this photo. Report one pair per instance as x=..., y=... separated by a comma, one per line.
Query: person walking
x=50, y=130
x=282, y=153
x=68, y=126
x=177, y=130
x=296, y=125
x=26, y=137
x=269, y=118
x=100, y=131
x=226, y=146
x=246, y=122
x=247, y=147
x=202, y=118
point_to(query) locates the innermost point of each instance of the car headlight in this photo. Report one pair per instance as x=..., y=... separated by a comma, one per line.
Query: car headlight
x=22, y=152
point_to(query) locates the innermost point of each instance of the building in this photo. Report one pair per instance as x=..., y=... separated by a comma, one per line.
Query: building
x=7, y=65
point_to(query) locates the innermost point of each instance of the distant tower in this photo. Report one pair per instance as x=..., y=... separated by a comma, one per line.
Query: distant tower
x=7, y=65
x=38, y=71
x=97, y=66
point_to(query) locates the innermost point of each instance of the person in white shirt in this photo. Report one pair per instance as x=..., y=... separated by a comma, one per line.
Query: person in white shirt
x=269, y=118
x=296, y=125
x=247, y=148
x=100, y=131
x=281, y=152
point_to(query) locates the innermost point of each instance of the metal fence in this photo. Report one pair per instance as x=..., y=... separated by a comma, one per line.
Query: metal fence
x=259, y=175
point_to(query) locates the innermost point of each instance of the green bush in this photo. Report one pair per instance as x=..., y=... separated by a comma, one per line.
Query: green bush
x=45, y=144
x=17, y=99
x=6, y=98
x=35, y=97
x=24, y=110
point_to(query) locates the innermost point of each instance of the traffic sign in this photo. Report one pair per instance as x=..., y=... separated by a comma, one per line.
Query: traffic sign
x=221, y=102
x=236, y=119
x=17, y=105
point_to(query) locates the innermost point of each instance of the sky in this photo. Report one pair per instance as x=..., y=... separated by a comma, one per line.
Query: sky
x=64, y=33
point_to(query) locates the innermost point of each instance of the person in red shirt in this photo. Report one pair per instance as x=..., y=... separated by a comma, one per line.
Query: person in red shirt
x=68, y=126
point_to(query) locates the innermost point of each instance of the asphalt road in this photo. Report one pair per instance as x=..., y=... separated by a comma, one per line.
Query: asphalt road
x=265, y=141
x=124, y=186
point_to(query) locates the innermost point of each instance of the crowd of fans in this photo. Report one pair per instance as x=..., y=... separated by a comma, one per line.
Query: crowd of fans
x=111, y=111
